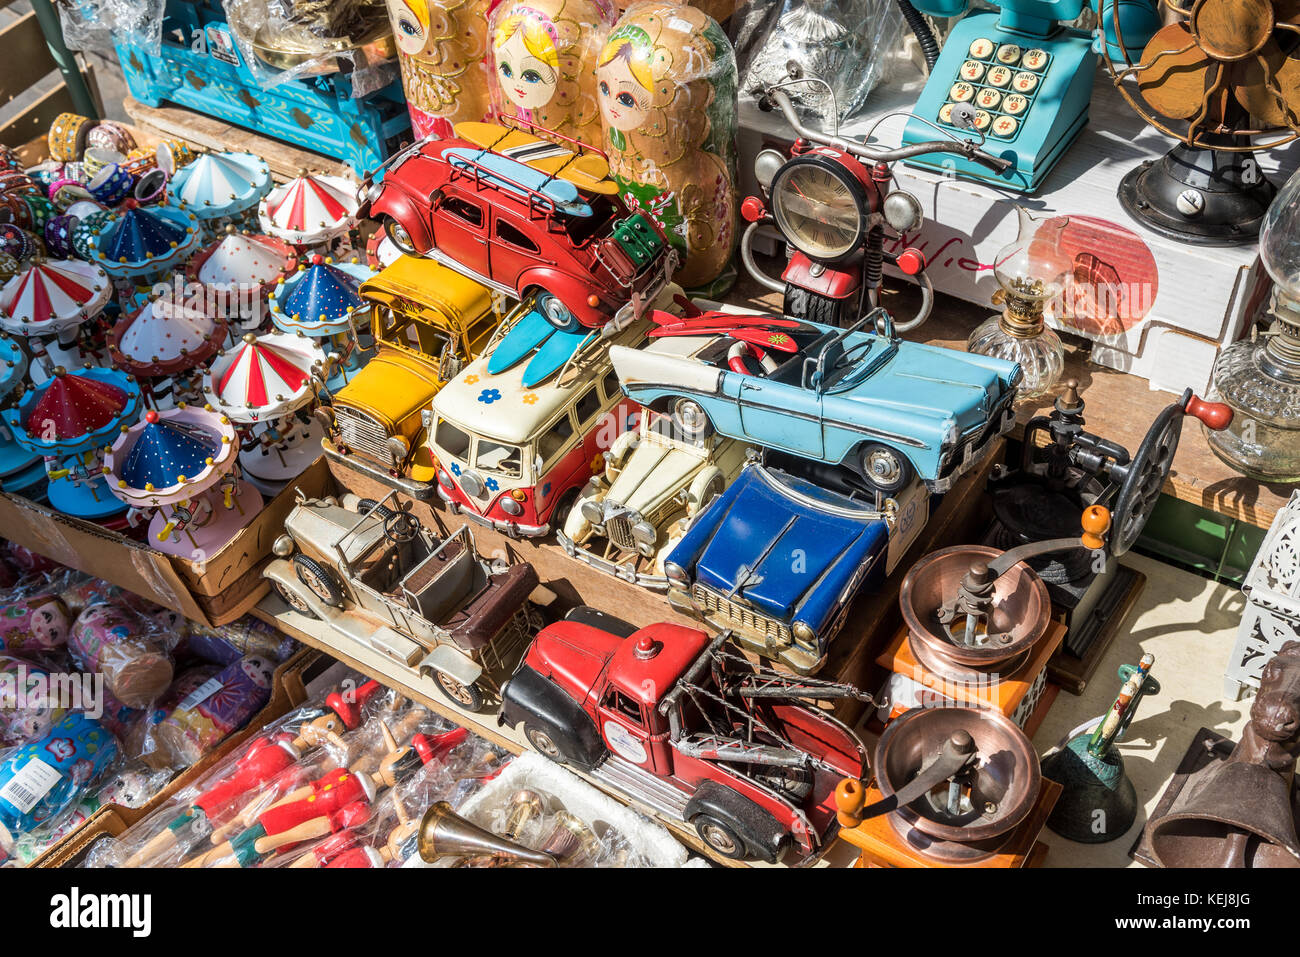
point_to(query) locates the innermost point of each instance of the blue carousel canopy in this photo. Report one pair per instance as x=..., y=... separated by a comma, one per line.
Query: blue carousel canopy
x=139, y=235
x=318, y=299
x=165, y=451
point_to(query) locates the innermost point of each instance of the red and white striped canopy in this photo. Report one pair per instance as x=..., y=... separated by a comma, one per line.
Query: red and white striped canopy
x=264, y=377
x=47, y=298
x=309, y=210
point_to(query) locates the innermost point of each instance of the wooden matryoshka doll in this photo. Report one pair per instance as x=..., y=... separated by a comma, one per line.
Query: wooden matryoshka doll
x=442, y=51
x=543, y=63
x=666, y=85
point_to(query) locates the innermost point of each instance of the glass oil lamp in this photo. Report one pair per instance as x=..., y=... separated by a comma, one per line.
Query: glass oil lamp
x=1260, y=377
x=1032, y=272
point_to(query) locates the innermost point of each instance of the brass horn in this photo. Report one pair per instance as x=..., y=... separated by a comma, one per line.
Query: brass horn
x=444, y=833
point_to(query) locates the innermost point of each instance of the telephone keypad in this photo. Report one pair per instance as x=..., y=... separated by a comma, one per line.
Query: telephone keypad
x=1001, y=79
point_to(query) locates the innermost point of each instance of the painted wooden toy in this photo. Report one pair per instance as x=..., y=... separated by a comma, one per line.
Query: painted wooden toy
x=181, y=465
x=442, y=51
x=543, y=60
x=666, y=85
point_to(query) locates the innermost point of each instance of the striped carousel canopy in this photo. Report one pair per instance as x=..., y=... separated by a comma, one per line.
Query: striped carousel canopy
x=221, y=184
x=264, y=376
x=47, y=298
x=243, y=257
x=309, y=210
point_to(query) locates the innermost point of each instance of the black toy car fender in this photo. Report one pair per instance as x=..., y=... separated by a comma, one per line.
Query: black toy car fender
x=540, y=703
x=757, y=827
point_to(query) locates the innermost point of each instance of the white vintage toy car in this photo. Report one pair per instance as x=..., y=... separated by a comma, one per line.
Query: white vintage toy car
x=654, y=484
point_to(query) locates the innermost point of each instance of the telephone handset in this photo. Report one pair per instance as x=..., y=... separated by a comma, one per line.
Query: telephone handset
x=1018, y=76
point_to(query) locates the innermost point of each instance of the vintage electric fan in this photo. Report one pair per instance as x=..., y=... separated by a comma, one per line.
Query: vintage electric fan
x=1224, y=72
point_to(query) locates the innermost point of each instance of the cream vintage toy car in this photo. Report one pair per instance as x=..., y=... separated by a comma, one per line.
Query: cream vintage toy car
x=376, y=576
x=654, y=484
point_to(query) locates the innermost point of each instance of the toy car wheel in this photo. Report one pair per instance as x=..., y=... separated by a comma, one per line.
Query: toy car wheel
x=885, y=468
x=691, y=420
x=399, y=237
x=469, y=697
x=319, y=579
x=366, y=505
x=543, y=744
x=720, y=836
x=293, y=600
x=557, y=313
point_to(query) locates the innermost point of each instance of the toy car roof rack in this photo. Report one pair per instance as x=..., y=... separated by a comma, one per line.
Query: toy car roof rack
x=540, y=204
x=577, y=147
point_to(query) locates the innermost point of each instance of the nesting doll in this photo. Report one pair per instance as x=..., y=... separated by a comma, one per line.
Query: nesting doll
x=666, y=85
x=543, y=63
x=442, y=51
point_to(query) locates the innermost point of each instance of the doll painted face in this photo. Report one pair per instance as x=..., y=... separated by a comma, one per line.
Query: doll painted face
x=623, y=85
x=259, y=670
x=410, y=25
x=528, y=67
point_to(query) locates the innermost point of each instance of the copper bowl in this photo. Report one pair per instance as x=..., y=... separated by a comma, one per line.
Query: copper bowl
x=1004, y=785
x=1018, y=617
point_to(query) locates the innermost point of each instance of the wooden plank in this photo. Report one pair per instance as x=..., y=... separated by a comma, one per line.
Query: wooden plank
x=37, y=118
x=25, y=56
x=209, y=133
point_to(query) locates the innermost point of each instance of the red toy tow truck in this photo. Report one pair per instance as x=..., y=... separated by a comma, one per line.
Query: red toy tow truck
x=681, y=722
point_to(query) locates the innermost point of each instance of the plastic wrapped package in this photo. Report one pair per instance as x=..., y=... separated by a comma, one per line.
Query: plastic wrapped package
x=101, y=24
x=35, y=616
x=310, y=741
x=539, y=805
x=225, y=644
x=442, y=52
x=847, y=43
x=126, y=647
x=28, y=706
x=283, y=40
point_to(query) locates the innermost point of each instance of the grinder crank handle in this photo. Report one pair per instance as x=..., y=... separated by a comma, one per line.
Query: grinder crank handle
x=956, y=754
x=1215, y=415
x=1095, y=521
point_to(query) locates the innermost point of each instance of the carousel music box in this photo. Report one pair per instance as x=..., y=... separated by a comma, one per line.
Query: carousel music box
x=166, y=340
x=310, y=210
x=1063, y=469
x=268, y=385
x=22, y=471
x=140, y=246
x=47, y=303
x=954, y=787
x=321, y=301
x=240, y=270
x=978, y=626
x=181, y=464
x=69, y=420
x=221, y=188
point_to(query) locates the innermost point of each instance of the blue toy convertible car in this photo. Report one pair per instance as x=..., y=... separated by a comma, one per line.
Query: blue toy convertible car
x=780, y=555
x=882, y=407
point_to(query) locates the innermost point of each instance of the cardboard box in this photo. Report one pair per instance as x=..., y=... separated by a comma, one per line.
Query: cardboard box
x=288, y=691
x=213, y=590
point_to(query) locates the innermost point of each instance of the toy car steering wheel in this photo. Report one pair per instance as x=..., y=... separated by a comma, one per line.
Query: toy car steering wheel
x=401, y=527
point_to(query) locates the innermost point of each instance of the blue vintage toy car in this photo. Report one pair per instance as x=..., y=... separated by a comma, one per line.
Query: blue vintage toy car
x=780, y=555
x=885, y=408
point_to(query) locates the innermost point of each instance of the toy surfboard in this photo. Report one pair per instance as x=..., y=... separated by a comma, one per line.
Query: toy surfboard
x=587, y=171
x=552, y=355
x=526, y=335
x=520, y=178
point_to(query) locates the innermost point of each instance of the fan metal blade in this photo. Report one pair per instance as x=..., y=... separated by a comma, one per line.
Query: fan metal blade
x=1232, y=29
x=1271, y=76
x=1174, y=83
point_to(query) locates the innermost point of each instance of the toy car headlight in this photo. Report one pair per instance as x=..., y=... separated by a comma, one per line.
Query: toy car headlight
x=370, y=193
x=283, y=546
x=676, y=575
x=471, y=484
x=951, y=436
x=804, y=635
x=592, y=511
x=510, y=506
x=645, y=533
